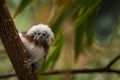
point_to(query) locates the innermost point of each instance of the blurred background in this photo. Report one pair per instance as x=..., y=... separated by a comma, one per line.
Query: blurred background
x=87, y=35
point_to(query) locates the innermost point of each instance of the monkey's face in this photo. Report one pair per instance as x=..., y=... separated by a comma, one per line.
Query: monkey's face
x=41, y=37
x=42, y=34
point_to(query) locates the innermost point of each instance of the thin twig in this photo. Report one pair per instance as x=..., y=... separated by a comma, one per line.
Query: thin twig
x=81, y=71
x=57, y=72
x=113, y=61
x=6, y=75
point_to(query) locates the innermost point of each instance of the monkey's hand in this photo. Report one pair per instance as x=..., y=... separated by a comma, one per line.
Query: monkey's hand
x=27, y=63
x=36, y=64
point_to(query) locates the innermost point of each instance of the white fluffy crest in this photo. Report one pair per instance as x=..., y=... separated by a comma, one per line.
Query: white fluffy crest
x=42, y=28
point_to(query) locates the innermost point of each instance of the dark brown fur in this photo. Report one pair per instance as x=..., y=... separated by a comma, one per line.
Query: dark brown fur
x=29, y=38
x=46, y=47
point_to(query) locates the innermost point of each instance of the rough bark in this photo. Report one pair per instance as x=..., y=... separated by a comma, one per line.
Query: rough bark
x=12, y=43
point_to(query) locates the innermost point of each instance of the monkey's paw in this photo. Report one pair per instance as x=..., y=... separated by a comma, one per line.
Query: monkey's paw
x=27, y=63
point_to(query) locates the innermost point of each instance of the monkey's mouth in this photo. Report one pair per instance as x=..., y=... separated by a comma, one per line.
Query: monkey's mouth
x=40, y=42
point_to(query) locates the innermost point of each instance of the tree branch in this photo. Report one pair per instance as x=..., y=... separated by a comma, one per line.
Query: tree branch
x=57, y=72
x=12, y=43
x=81, y=71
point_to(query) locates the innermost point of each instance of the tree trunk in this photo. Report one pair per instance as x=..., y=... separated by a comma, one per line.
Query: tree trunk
x=12, y=43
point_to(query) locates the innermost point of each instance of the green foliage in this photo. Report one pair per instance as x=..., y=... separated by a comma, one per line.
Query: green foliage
x=83, y=2
x=58, y=14
x=80, y=25
x=22, y=6
x=78, y=40
x=89, y=31
x=55, y=54
x=56, y=26
x=86, y=14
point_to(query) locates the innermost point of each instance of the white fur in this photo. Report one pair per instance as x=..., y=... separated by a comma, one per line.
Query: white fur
x=36, y=52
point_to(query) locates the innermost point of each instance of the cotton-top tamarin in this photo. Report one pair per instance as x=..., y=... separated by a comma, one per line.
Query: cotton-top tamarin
x=37, y=41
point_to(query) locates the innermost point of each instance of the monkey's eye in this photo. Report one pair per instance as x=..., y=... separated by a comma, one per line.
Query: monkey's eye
x=48, y=36
x=43, y=34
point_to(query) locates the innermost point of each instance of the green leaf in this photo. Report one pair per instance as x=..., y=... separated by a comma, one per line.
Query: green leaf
x=86, y=14
x=83, y=2
x=55, y=54
x=89, y=31
x=58, y=13
x=56, y=26
x=22, y=6
x=57, y=51
x=78, y=40
x=80, y=25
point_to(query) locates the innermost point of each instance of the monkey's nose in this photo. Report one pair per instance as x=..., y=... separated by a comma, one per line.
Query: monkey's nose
x=41, y=39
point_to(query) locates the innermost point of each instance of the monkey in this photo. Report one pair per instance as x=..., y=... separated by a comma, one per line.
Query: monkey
x=37, y=41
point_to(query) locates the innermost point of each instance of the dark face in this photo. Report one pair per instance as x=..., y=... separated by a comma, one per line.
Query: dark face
x=41, y=38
